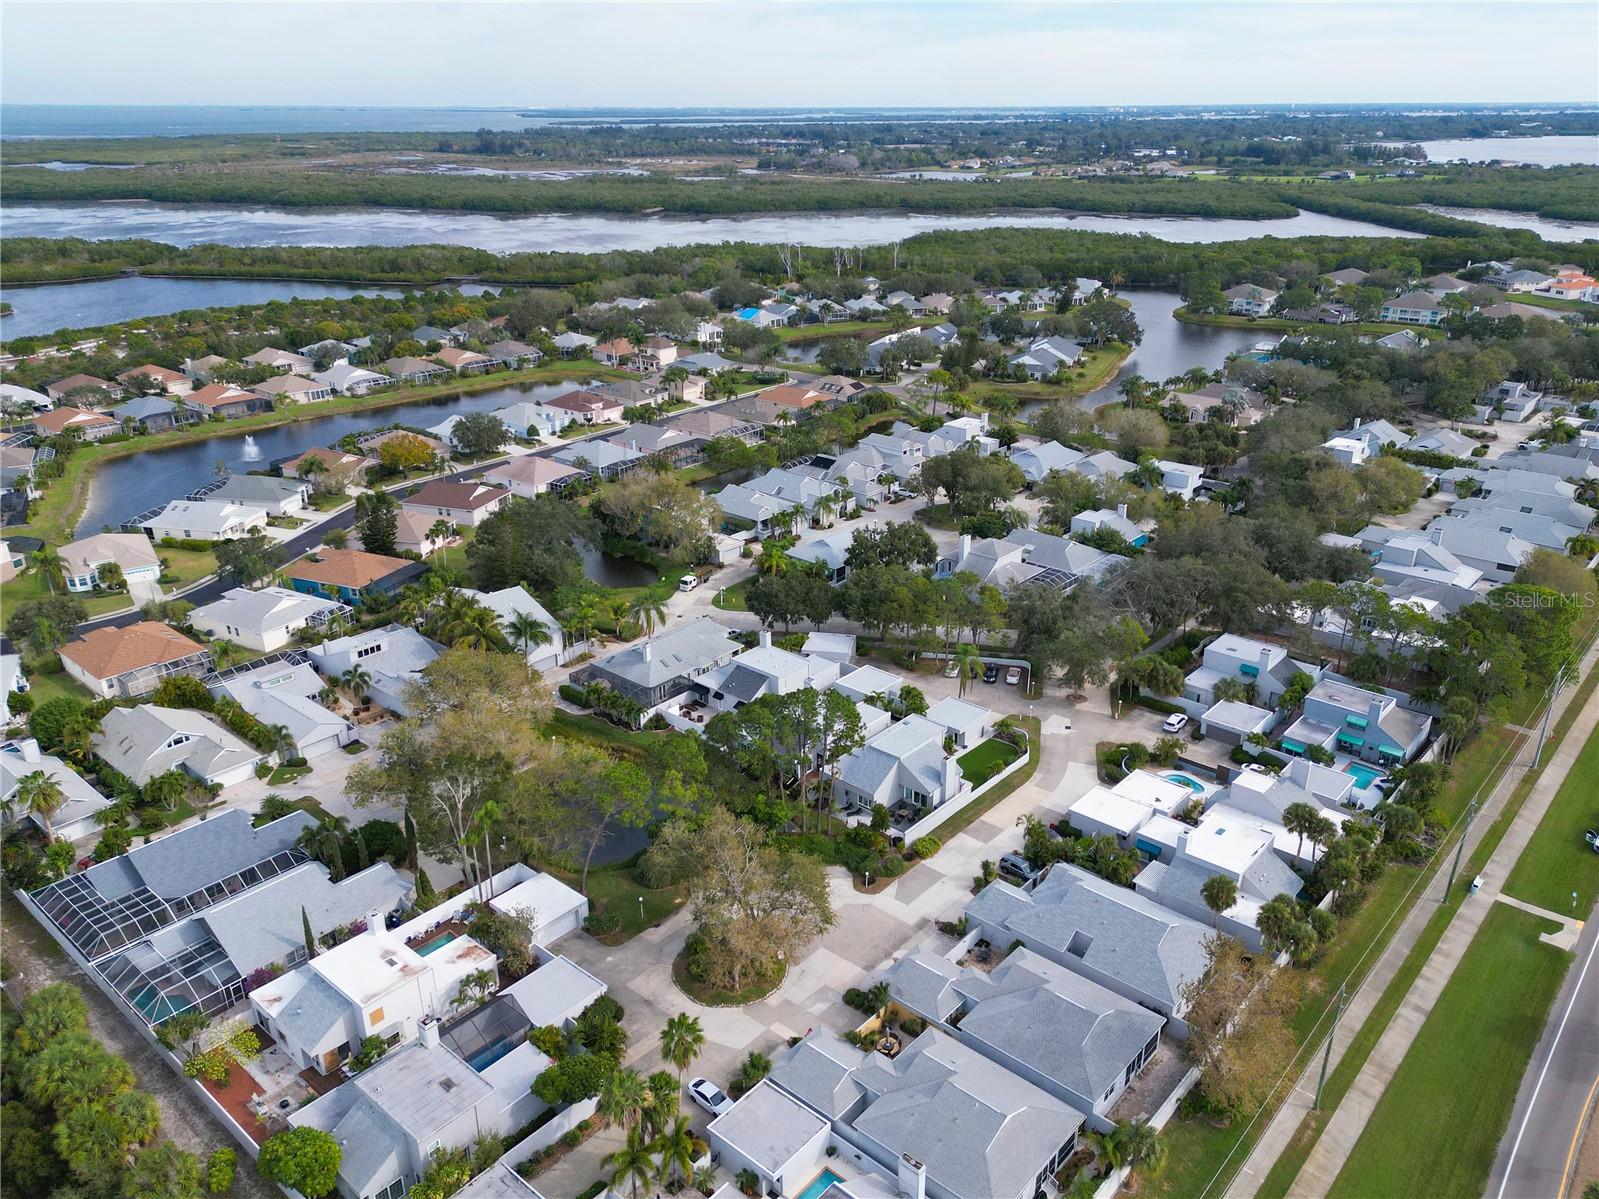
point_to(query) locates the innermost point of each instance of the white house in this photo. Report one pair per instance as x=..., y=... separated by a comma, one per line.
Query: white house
x=1044, y=356
x=280, y=497
x=1412, y=308
x=1249, y=299
x=132, y=553
x=392, y=658
x=1347, y=451
x=510, y=602
x=266, y=619
x=462, y=504
x=1263, y=669
x=350, y=380
x=74, y=819
x=531, y=475
x=287, y=695
x=204, y=520
x=145, y=741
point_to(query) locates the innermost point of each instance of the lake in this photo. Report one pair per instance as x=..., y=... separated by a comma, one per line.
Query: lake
x=1170, y=347
x=125, y=487
x=53, y=306
x=187, y=225
x=1544, y=227
x=1562, y=149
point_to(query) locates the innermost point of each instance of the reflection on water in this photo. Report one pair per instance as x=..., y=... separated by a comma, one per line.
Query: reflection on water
x=186, y=225
x=608, y=570
x=127, y=486
x=1544, y=227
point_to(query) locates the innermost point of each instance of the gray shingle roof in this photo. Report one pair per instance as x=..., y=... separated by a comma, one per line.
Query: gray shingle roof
x=688, y=647
x=263, y=925
x=924, y=982
x=820, y=1070
x=312, y=1012
x=1112, y=930
x=193, y=858
x=981, y=1131
x=369, y=1147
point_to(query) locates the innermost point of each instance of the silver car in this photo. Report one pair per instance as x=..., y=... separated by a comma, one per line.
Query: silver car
x=709, y=1096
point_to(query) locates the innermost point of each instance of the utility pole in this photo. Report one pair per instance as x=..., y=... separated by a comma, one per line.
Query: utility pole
x=1543, y=729
x=1326, y=1055
x=1471, y=810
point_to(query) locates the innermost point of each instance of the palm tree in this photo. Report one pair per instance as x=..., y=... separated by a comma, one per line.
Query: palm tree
x=52, y=566
x=223, y=652
x=527, y=631
x=325, y=842
x=355, y=682
x=1142, y=1147
x=42, y=797
x=681, y=1041
x=1300, y=818
x=623, y=1098
x=582, y=616
x=676, y=1147
x=633, y=1163
x=968, y=664
x=463, y=620
x=773, y=561
x=279, y=740
x=438, y=531
x=1219, y=894
x=648, y=612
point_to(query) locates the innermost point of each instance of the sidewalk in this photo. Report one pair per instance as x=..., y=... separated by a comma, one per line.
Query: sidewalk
x=1343, y=1129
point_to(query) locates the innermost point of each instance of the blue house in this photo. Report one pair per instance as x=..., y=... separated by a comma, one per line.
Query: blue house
x=349, y=575
x=1368, y=725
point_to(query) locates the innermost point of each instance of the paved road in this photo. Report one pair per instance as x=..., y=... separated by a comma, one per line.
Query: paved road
x=1537, y=1158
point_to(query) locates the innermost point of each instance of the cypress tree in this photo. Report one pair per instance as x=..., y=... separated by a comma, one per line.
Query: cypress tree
x=310, y=937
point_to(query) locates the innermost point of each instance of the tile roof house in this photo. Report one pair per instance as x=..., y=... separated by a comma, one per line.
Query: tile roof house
x=589, y=407
x=76, y=422
x=145, y=741
x=89, y=385
x=463, y=362
x=174, y=383
x=468, y=504
x=282, y=361
x=615, y=352
x=345, y=574
x=127, y=661
x=132, y=553
x=531, y=475
x=227, y=401
x=1061, y=1031
x=293, y=389
x=265, y=619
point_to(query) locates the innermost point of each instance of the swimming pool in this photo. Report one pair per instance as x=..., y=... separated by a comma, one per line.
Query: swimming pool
x=819, y=1185
x=1191, y=784
x=491, y=1053
x=1365, y=776
x=436, y=944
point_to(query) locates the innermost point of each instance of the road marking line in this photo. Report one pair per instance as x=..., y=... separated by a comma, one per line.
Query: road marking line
x=1576, y=1136
x=1538, y=1086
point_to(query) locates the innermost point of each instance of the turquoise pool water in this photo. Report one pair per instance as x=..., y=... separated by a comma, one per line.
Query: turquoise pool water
x=1365, y=776
x=436, y=944
x=1191, y=784
x=819, y=1185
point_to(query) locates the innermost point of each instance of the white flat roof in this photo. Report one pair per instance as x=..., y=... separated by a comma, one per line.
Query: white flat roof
x=547, y=896
x=1104, y=807
x=1225, y=841
x=1159, y=793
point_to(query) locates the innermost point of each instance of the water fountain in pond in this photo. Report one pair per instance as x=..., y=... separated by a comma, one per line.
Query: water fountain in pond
x=252, y=452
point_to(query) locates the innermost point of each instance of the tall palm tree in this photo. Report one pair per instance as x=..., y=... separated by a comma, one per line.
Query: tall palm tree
x=438, y=531
x=582, y=616
x=223, y=652
x=968, y=664
x=52, y=566
x=676, y=1147
x=462, y=620
x=648, y=611
x=682, y=1040
x=528, y=632
x=42, y=797
x=1219, y=894
x=325, y=842
x=633, y=1163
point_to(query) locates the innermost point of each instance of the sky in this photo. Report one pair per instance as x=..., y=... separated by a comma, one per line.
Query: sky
x=761, y=53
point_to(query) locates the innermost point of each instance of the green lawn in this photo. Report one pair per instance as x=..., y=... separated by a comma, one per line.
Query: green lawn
x=1557, y=861
x=732, y=599
x=984, y=761
x=1438, y=1125
x=613, y=889
x=30, y=585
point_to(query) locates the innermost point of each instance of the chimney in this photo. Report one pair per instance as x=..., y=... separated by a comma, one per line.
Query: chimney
x=1374, y=709
x=1265, y=658
x=952, y=777
x=374, y=924
x=965, y=547
x=645, y=650
x=1121, y=511
x=766, y=639
x=428, y=1032
x=1356, y=425
x=1436, y=534
x=30, y=750
x=912, y=1177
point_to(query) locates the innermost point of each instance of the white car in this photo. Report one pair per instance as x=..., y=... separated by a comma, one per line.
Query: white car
x=1013, y=676
x=710, y=1096
x=688, y=582
x=1175, y=723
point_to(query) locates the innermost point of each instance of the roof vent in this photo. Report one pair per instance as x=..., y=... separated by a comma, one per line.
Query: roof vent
x=447, y=1084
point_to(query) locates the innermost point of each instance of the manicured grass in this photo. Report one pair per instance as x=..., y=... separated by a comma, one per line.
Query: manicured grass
x=613, y=890
x=282, y=776
x=31, y=586
x=1557, y=861
x=984, y=761
x=1095, y=367
x=1437, y=1127
x=801, y=334
x=45, y=686
x=632, y=742
x=185, y=566
x=711, y=997
x=733, y=599
x=1005, y=789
